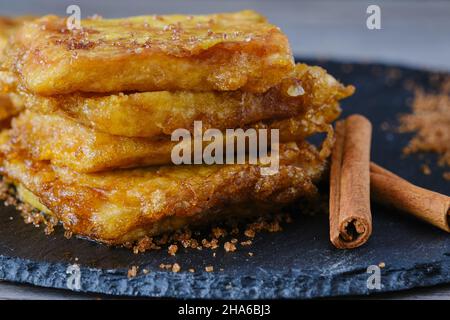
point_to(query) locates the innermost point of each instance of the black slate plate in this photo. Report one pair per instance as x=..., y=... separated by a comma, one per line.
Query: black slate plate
x=299, y=262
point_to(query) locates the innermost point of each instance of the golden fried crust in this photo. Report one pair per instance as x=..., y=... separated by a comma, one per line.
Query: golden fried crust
x=67, y=143
x=5, y=106
x=154, y=114
x=8, y=26
x=124, y=205
x=301, y=127
x=223, y=52
x=11, y=102
x=9, y=106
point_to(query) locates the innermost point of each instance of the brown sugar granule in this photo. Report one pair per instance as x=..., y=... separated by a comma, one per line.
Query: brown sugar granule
x=446, y=175
x=165, y=266
x=132, y=272
x=173, y=248
x=250, y=254
x=146, y=243
x=213, y=244
x=246, y=243
x=229, y=247
x=430, y=120
x=186, y=243
x=145, y=271
x=7, y=194
x=425, y=169
x=176, y=267
x=189, y=243
x=249, y=233
x=218, y=232
x=209, y=269
x=192, y=270
x=381, y=265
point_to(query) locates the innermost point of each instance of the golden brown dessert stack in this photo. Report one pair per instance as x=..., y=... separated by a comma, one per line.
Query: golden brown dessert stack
x=94, y=146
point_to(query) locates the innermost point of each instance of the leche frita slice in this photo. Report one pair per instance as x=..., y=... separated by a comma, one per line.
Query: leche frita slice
x=157, y=114
x=122, y=206
x=226, y=51
x=65, y=142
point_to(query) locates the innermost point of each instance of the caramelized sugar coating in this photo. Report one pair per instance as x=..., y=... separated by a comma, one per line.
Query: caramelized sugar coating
x=121, y=206
x=8, y=26
x=10, y=105
x=301, y=127
x=67, y=143
x=8, y=108
x=155, y=114
x=222, y=52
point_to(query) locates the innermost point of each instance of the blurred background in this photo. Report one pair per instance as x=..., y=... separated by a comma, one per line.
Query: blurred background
x=413, y=32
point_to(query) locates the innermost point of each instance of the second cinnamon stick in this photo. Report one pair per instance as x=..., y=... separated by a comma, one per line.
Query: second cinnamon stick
x=430, y=206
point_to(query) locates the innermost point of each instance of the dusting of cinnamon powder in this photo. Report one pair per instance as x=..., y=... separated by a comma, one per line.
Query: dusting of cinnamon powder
x=430, y=120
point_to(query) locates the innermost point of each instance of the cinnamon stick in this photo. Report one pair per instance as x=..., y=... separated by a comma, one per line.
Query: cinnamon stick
x=429, y=206
x=350, y=216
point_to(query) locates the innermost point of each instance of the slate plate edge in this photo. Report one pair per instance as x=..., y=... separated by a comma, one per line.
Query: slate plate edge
x=303, y=284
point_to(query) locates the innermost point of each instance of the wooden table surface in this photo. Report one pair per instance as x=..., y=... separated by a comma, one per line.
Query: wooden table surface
x=413, y=33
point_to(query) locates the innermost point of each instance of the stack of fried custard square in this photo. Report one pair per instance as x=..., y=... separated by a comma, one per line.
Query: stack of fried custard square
x=93, y=145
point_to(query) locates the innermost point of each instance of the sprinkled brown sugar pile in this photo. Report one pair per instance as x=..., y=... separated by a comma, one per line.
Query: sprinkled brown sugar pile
x=220, y=236
x=430, y=120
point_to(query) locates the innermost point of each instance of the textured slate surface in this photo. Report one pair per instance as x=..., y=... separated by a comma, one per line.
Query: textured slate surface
x=297, y=263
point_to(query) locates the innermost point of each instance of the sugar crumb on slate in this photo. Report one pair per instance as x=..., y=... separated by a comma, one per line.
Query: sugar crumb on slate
x=172, y=250
x=132, y=272
x=249, y=233
x=176, y=267
x=209, y=268
x=229, y=247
